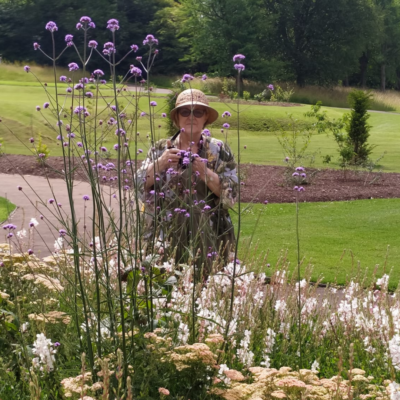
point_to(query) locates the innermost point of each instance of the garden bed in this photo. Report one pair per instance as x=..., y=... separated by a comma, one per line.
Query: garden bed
x=262, y=182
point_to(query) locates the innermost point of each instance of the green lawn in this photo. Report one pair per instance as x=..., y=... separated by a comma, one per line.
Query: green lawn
x=17, y=105
x=363, y=228
x=5, y=208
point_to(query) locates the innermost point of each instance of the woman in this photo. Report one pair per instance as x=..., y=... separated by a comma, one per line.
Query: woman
x=187, y=184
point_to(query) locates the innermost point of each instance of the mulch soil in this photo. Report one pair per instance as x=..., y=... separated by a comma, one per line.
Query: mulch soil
x=262, y=182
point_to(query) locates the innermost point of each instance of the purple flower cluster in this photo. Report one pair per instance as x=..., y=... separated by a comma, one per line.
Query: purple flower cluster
x=226, y=114
x=135, y=48
x=36, y=46
x=153, y=103
x=120, y=132
x=186, y=78
x=86, y=197
x=204, y=77
x=51, y=26
x=73, y=66
x=113, y=24
x=10, y=227
x=150, y=40
x=108, y=48
x=226, y=126
x=98, y=72
x=27, y=68
x=271, y=87
x=135, y=71
x=93, y=44
x=237, y=60
x=239, y=67
x=80, y=110
x=69, y=38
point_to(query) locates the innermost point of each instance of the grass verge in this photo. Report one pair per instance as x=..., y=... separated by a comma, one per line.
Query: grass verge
x=339, y=239
x=6, y=207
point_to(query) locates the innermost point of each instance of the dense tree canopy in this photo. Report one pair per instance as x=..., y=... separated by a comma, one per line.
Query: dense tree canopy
x=325, y=42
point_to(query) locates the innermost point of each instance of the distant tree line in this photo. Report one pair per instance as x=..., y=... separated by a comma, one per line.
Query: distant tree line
x=353, y=42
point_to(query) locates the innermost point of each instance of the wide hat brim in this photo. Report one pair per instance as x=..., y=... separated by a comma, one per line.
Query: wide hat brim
x=212, y=113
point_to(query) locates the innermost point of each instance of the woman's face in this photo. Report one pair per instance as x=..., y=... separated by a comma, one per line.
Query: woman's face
x=192, y=119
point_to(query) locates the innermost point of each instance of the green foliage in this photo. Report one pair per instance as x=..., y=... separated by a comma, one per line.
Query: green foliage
x=41, y=150
x=246, y=95
x=282, y=95
x=357, y=127
x=6, y=207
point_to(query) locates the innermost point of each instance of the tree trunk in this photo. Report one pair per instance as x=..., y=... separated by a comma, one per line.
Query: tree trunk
x=383, y=77
x=363, y=69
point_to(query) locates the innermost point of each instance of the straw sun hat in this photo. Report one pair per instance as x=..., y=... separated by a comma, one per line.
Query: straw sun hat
x=193, y=97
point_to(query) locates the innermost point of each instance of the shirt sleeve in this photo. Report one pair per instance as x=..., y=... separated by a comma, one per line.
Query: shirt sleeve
x=226, y=168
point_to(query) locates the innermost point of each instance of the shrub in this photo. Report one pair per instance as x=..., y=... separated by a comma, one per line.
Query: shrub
x=357, y=127
x=41, y=150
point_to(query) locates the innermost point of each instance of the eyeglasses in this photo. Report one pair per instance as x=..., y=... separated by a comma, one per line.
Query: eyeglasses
x=197, y=112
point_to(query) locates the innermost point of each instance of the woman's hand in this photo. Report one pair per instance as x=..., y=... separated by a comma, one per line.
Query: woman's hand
x=170, y=158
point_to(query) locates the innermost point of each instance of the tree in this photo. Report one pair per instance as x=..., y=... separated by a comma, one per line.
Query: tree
x=357, y=127
x=322, y=39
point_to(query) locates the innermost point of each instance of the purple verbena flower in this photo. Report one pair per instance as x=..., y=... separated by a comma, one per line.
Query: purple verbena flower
x=69, y=38
x=27, y=68
x=51, y=26
x=112, y=25
x=271, y=87
x=69, y=90
x=98, y=72
x=32, y=140
x=51, y=201
x=92, y=25
x=120, y=132
x=63, y=78
x=206, y=132
x=56, y=344
x=79, y=144
x=226, y=126
x=93, y=44
x=153, y=103
x=86, y=197
x=30, y=252
x=204, y=77
x=62, y=232
x=142, y=114
x=238, y=57
x=36, y=46
x=102, y=148
x=78, y=86
x=164, y=115
x=89, y=94
x=150, y=40
x=239, y=67
x=138, y=58
x=186, y=77
x=116, y=146
x=85, y=19
x=226, y=114
x=135, y=47
x=73, y=66
x=300, y=169
x=37, y=108
x=79, y=26
x=135, y=71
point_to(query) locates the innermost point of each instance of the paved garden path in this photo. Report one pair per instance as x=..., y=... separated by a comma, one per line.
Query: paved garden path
x=36, y=191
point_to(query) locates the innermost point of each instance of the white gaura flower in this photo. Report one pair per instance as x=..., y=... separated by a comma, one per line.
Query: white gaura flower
x=58, y=244
x=394, y=391
x=315, y=366
x=21, y=234
x=43, y=349
x=33, y=222
x=394, y=350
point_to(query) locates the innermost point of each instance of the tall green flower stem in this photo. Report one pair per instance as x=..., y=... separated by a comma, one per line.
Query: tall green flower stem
x=74, y=224
x=298, y=279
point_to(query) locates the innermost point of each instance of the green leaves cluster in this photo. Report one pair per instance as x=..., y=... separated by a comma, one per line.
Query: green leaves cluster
x=324, y=42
